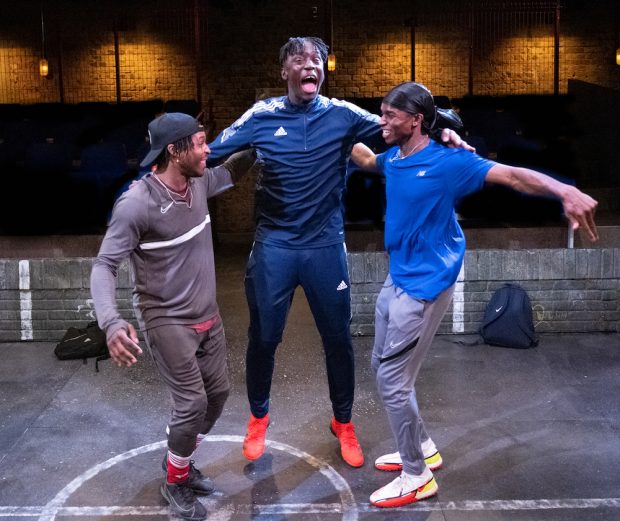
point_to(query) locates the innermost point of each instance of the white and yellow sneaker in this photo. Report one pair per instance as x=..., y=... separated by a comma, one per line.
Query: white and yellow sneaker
x=405, y=489
x=393, y=461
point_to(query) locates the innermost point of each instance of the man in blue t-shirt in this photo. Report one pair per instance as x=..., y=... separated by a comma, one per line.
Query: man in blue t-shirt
x=303, y=141
x=426, y=245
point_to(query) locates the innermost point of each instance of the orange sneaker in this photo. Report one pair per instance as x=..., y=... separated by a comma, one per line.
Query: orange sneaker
x=349, y=446
x=254, y=442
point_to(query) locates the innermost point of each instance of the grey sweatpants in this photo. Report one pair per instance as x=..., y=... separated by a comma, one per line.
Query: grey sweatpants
x=193, y=366
x=404, y=331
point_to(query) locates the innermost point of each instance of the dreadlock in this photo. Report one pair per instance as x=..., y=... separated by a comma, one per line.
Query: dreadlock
x=296, y=46
x=185, y=144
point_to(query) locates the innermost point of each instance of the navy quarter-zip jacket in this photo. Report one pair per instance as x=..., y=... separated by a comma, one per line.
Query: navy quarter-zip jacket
x=303, y=152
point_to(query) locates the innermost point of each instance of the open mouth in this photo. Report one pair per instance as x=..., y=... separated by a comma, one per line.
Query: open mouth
x=308, y=84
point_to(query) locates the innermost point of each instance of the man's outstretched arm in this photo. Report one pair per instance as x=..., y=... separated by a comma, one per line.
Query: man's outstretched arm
x=579, y=207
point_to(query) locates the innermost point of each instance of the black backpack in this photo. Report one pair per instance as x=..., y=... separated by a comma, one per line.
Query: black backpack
x=508, y=320
x=88, y=342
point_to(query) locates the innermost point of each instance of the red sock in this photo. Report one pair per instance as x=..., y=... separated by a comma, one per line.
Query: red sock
x=178, y=469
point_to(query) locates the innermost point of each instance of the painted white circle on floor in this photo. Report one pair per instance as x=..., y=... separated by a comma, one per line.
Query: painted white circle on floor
x=347, y=507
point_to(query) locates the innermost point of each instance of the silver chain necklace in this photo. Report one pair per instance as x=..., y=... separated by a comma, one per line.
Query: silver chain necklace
x=171, y=194
x=400, y=152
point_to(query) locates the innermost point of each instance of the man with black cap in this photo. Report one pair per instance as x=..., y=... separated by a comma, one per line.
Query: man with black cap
x=163, y=226
x=426, y=247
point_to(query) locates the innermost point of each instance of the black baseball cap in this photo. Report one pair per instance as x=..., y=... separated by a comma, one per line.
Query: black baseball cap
x=169, y=128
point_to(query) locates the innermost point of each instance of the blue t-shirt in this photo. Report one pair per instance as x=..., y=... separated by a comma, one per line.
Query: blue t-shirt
x=422, y=236
x=303, y=152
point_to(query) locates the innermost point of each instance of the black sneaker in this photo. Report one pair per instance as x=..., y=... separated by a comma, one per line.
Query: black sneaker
x=183, y=501
x=196, y=481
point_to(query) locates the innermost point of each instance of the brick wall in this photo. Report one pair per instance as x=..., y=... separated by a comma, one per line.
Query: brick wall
x=572, y=290
x=156, y=52
x=157, y=49
x=41, y=298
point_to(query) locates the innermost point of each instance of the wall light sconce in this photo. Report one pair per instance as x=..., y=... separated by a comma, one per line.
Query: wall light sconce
x=44, y=67
x=618, y=56
x=331, y=62
x=331, y=57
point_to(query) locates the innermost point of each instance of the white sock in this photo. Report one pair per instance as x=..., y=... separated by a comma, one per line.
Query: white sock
x=199, y=439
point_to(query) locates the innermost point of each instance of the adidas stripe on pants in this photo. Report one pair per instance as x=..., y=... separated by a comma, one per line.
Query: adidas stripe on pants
x=273, y=273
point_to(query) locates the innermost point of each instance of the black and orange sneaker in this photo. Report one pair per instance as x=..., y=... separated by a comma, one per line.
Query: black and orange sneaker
x=254, y=442
x=349, y=446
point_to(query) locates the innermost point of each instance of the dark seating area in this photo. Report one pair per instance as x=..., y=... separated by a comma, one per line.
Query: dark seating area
x=530, y=131
x=64, y=165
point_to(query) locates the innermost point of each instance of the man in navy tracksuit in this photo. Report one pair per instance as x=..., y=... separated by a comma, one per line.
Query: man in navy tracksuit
x=303, y=141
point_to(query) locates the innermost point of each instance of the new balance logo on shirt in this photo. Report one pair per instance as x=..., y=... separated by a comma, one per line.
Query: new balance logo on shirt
x=280, y=132
x=341, y=286
x=421, y=173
